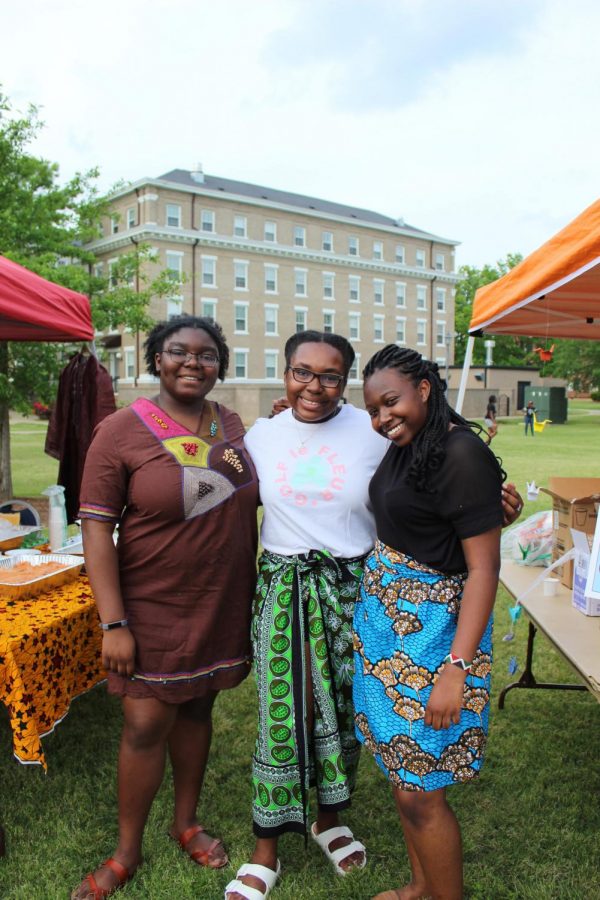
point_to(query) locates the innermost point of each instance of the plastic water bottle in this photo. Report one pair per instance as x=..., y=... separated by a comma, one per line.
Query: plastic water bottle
x=57, y=517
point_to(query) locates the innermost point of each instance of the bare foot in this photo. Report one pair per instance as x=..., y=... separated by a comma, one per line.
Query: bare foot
x=106, y=878
x=202, y=849
x=251, y=880
x=410, y=891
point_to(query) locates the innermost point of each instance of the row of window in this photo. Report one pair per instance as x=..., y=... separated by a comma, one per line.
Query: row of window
x=208, y=278
x=348, y=245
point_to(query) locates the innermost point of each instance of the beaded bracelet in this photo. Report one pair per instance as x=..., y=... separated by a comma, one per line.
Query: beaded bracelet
x=459, y=662
x=108, y=626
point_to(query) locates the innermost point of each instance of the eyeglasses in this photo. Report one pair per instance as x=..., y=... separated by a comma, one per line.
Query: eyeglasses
x=326, y=379
x=183, y=356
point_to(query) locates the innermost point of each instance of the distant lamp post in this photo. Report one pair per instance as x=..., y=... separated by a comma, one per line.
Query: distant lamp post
x=489, y=358
x=448, y=338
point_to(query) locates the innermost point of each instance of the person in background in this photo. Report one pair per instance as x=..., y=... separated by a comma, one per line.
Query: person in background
x=174, y=596
x=490, y=419
x=314, y=462
x=529, y=417
x=422, y=621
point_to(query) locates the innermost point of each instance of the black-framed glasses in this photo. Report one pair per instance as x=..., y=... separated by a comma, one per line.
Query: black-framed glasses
x=305, y=376
x=178, y=355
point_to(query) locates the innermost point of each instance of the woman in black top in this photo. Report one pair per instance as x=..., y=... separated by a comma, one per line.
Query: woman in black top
x=423, y=619
x=490, y=418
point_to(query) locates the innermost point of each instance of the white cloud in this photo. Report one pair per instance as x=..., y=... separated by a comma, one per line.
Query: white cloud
x=480, y=130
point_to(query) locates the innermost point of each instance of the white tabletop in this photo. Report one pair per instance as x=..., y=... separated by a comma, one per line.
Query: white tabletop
x=575, y=636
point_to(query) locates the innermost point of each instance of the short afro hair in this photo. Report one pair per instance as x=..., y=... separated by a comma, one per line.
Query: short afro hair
x=162, y=330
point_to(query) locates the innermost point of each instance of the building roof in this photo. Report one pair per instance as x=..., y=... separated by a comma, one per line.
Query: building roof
x=286, y=198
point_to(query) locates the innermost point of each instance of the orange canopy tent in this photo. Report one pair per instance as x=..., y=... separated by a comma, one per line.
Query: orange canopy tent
x=554, y=292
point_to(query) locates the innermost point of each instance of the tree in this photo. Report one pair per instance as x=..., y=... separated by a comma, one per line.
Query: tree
x=509, y=351
x=576, y=361
x=47, y=227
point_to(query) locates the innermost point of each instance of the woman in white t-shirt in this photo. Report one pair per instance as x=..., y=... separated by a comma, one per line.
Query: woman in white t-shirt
x=314, y=463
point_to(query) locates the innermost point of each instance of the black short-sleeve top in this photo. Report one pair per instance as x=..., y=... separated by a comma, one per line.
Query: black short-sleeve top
x=463, y=500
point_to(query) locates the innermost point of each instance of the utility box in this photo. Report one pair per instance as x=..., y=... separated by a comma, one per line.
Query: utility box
x=575, y=504
x=550, y=403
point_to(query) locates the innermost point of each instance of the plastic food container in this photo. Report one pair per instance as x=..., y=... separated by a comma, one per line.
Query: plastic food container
x=70, y=566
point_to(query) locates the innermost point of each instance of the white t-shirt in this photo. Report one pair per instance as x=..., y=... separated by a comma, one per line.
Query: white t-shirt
x=314, y=482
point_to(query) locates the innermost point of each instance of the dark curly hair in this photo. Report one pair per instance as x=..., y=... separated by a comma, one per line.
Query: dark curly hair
x=321, y=337
x=429, y=445
x=162, y=330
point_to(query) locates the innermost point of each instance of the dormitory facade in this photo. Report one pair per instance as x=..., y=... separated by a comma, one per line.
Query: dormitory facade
x=265, y=263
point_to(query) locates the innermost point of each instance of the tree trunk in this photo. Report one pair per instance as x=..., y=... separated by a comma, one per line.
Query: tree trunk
x=6, y=488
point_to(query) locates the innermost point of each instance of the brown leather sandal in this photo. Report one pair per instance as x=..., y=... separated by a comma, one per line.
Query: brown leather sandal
x=201, y=857
x=95, y=892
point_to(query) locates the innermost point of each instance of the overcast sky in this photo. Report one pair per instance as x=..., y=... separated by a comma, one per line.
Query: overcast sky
x=477, y=120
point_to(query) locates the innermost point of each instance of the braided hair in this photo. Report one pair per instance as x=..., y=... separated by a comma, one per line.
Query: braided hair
x=428, y=447
x=162, y=330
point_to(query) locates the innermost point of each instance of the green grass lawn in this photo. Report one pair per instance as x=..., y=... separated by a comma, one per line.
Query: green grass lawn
x=530, y=825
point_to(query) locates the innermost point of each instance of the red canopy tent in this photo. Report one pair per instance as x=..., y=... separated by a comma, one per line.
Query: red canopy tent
x=33, y=309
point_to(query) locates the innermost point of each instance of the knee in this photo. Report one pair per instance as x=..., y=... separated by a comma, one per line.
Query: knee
x=142, y=733
x=199, y=709
x=418, y=809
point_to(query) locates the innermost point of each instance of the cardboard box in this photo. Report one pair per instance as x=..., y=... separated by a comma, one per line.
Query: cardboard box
x=575, y=504
x=583, y=593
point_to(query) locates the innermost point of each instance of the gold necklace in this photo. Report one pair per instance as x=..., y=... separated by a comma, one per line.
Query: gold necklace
x=304, y=441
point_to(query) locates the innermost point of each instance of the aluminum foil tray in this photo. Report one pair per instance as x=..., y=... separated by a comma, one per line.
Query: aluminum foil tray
x=71, y=566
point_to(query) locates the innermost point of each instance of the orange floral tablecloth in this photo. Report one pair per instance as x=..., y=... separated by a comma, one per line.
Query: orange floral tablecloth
x=50, y=652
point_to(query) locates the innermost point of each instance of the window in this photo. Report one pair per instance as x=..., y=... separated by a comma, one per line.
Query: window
x=129, y=362
x=327, y=241
x=400, y=330
x=328, y=284
x=114, y=223
x=377, y=249
x=301, y=318
x=240, y=363
x=378, y=289
x=240, y=269
x=174, y=307
x=207, y=220
x=354, y=373
x=420, y=259
x=300, y=281
x=240, y=315
x=99, y=270
x=378, y=329
x=131, y=217
x=208, y=308
x=271, y=231
x=239, y=226
x=328, y=321
x=271, y=279
x=112, y=273
x=354, y=292
x=440, y=262
x=440, y=299
x=174, y=262
x=352, y=246
x=400, y=253
x=421, y=331
x=271, y=363
x=271, y=319
x=173, y=215
x=440, y=334
x=209, y=271
x=299, y=236
x=354, y=326
x=421, y=296
x=400, y=293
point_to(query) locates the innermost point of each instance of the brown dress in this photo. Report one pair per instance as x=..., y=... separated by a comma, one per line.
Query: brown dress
x=186, y=510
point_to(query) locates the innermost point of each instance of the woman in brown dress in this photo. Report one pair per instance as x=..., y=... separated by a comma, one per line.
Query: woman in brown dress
x=174, y=595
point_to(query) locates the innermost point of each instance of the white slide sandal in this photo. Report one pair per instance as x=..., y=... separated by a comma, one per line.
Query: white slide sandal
x=325, y=838
x=266, y=875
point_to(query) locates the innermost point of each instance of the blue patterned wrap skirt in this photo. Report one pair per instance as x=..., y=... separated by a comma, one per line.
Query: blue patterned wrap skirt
x=404, y=623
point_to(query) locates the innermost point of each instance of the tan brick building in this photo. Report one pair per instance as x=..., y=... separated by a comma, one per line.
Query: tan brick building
x=265, y=263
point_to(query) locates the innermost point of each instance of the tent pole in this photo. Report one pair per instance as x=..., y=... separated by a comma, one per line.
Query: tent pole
x=465, y=374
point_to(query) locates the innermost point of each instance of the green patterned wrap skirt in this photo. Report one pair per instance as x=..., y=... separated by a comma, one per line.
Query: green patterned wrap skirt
x=304, y=600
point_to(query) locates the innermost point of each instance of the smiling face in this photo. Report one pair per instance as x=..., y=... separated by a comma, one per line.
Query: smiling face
x=187, y=382
x=312, y=402
x=397, y=407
